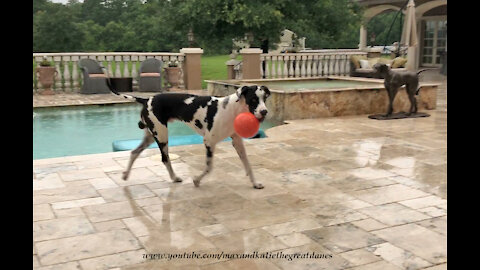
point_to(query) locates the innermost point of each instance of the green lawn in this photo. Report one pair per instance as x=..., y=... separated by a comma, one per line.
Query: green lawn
x=214, y=68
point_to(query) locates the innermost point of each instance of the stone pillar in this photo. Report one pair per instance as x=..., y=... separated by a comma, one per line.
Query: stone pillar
x=231, y=68
x=251, y=63
x=192, y=69
x=363, y=38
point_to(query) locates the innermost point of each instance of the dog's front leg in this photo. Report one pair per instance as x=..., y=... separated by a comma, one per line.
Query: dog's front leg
x=237, y=143
x=392, y=92
x=166, y=160
x=210, y=149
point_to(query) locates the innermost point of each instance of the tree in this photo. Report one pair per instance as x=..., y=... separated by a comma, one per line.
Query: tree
x=54, y=31
x=325, y=23
x=162, y=25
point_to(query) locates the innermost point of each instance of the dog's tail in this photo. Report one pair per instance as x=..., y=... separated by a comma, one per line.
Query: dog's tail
x=425, y=69
x=137, y=99
x=418, y=90
x=420, y=71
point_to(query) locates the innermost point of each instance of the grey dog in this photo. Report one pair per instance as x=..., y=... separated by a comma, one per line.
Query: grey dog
x=396, y=79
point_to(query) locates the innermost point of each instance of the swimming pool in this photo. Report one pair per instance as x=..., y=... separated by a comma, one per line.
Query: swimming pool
x=81, y=130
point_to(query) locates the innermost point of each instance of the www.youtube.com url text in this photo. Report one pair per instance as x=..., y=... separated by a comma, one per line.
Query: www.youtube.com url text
x=223, y=255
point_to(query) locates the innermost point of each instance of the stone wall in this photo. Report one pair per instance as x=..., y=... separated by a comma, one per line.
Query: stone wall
x=318, y=104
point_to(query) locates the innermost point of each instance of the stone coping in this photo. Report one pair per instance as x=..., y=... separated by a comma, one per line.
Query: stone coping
x=62, y=99
x=375, y=83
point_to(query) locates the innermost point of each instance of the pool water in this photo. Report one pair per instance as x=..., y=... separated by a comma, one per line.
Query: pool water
x=315, y=84
x=80, y=130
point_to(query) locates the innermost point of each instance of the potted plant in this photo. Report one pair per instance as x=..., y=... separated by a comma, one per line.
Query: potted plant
x=46, y=74
x=173, y=73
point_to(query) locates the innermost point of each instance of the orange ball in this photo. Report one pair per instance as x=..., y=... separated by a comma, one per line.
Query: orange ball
x=246, y=125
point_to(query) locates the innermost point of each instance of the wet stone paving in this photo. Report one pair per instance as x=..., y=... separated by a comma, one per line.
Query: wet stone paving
x=362, y=193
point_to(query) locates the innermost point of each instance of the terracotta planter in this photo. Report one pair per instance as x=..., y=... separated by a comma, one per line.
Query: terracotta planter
x=46, y=77
x=173, y=75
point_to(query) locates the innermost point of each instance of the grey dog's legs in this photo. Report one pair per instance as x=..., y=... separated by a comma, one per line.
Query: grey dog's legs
x=411, y=91
x=392, y=92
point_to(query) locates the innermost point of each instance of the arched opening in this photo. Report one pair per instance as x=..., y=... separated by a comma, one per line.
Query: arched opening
x=376, y=25
x=385, y=27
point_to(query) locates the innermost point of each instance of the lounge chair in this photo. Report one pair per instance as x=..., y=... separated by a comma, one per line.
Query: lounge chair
x=94, y=78
x=150, y=76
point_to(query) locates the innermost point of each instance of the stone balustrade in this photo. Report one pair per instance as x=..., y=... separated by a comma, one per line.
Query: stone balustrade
x=117, y=64
x=307, y=64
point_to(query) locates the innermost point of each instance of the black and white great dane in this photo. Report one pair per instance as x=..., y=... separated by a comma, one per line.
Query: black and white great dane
x=209, y=116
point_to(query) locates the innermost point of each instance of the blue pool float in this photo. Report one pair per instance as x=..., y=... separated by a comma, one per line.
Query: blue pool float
x=125, y=145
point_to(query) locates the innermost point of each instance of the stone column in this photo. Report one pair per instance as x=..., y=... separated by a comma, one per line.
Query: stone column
x=192, y=69
x=251, y=63
x=231, y=68
x=363, y=38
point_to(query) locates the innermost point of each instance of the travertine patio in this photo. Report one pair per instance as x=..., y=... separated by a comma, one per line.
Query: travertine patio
x=370, y=193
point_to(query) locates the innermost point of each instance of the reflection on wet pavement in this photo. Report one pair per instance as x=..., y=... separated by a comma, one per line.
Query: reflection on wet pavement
x=372, y=194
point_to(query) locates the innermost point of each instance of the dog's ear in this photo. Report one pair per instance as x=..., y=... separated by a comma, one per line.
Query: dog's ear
x=266, y=90
x=241, y=91
x=380, y=67
x=384, y=68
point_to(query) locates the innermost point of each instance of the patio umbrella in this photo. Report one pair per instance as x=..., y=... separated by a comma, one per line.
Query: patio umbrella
x=409, y=35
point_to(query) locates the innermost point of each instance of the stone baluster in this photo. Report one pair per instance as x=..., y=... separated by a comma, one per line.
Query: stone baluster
x=291, y=71
x=327, y=65
x=165, y=59
x=279, y=66
x=274, y=63
x=126, y=62
x=334, y=64
x=75, y=76
x=101, y=59
x=66, y=72
x=297, y=66
x=58, y=77
x=309, y=66
x=267, y=69
x=321, y=62
x=321, y=66
x=262, y=62
x=306, y=63
x=181, y=64
x=337, y=64
x=118, y=59
x=142, y=58
x=285, y=67
x=314, y=65
x=109, y=59
x=134, y=59
x=345, y=65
